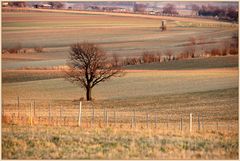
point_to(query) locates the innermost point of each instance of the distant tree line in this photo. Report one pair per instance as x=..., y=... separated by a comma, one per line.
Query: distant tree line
x=170, y=9
x=226, y=13
x=17, y=4
x=54, y=5
x=228, y=47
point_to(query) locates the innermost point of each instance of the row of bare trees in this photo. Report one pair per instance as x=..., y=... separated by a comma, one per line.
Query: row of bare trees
x=228, y=47
x=226, y=13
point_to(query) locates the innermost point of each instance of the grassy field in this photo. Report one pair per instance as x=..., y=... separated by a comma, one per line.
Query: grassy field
x=167, y=92
x=22, y=71
x=101, y=142
x=73, y=143
x=135, y=83
x=190, y=64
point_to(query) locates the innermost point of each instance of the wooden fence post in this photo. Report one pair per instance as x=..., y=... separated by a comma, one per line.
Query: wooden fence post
x=147, y=119
x=181, y=123
x=131, y=122
x=49, y=113
x=155, y=121
x=104, y=116
x=80, y=114
x=64, y=120
x=92, y=122
x=229, y=122
x=167, y=120
x=18, y=103
x=60, y=115
x=114, y=117
x=107, y=117
x=34, y=110
x=30, y=115
x=198, y=122
x=134, y=118
x=2, y=108
x=190, y=122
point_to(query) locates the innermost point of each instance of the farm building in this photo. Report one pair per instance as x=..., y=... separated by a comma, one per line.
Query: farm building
x=91, y=8
x=5, y=4
x=46, y=6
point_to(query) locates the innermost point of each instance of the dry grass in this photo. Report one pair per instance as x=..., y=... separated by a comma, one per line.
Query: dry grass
x=42, y=142
x=218, y=110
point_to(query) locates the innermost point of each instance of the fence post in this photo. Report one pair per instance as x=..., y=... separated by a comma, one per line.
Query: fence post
x=18, y=102
x=190, y=122
x=181, y=123
x=80, y=114
x=114, y=117
x=104, y=115
x=134, y=118
x=131, y=122
x=34, y=106
x=155, y=121
x=147, y=119
x=2, y=109
x=92, y=122
x=167, y=121
x=60, y=115
x=49, y=113
x=198, y=122
x=64, y=120
x=30, y=116
x=229, y=122
x=107, y=118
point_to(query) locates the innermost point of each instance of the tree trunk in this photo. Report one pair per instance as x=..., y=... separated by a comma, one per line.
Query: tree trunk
x=88, y=93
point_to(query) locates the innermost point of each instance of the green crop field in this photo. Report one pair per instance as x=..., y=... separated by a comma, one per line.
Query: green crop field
x=166, y=92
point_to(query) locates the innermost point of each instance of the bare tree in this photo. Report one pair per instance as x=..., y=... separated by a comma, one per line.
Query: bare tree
x=56, y=5
x=191, y=49
x=139, y=8
x=170, y=9
x=169, y=54
x=17, y=4
x=89, y=65
x=225, y=46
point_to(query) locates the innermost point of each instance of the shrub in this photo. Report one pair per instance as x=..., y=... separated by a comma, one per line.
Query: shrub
x=169, y=54
x=131, y=61
x=16, y=49
x=38, y=49
x=233, y=51
x=224, y=52
x=215, y=52
x=148, y=57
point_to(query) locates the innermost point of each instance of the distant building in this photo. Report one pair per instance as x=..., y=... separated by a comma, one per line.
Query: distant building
x=5, y=4
x=46, y=6
x=92, y=8
x=187, y=12
x=152, y=10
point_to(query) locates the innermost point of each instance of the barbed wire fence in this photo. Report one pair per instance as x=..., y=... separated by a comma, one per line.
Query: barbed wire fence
x=67, y=113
